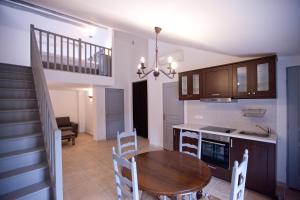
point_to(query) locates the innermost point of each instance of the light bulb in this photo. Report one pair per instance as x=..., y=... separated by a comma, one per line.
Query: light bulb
x=170, y=59
x=139, y=66
x=156, y=69
x=174, y=65
x=142, y=59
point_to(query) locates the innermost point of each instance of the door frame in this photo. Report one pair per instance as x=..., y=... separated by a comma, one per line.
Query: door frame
x=138, y=81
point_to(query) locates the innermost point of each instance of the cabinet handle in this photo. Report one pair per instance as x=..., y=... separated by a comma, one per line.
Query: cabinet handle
x=231, y=143
x=253, y=92
x=215, y=94
x=211, y=167
x=249, y=93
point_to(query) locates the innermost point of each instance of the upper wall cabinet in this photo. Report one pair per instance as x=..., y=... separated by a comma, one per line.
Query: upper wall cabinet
x=255, y=79
x=190, y=87
x=217, y=82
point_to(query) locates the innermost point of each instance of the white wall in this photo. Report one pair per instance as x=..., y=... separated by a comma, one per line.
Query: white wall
x=127, y=51
x=65, y=103
x=15, y=33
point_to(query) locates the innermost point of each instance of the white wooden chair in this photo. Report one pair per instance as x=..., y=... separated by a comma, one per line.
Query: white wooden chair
x=124, y=185
x=192, y=135
x=238, y=178
x=127, y=149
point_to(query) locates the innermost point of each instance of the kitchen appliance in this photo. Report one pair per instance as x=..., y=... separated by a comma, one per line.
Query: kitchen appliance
x=215, y=148
x=219, y=100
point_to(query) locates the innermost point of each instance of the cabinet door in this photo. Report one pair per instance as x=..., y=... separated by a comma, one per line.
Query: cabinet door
x=242, y=81
x=195, y=85
x=183, y=86
x=217, y=82
x=265, y=78
x=261, y=164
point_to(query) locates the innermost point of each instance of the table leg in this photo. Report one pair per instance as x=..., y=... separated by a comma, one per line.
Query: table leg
x=199, y=194
x=73, y=140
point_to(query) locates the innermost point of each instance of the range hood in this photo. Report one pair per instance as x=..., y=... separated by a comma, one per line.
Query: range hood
x=219, y=100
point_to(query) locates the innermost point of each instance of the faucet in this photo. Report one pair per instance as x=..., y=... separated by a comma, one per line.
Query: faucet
x=266, y=130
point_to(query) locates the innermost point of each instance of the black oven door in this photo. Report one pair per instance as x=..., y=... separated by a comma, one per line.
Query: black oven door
x=215, y=153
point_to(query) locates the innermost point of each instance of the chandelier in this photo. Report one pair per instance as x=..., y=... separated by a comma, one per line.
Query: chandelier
x=156, y=68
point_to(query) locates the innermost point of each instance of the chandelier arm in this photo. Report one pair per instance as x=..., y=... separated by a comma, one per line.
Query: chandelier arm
x=165, y=73
x=146, y=74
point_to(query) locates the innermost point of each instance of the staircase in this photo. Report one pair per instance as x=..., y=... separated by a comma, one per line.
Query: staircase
x=24, y=172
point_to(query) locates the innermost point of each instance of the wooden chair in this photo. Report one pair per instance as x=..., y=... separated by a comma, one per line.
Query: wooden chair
x=123, y=185
x=191, y=135
x=238, y=178
x=127, y=149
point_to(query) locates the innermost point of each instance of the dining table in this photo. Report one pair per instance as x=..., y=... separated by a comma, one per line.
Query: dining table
x=170, y=173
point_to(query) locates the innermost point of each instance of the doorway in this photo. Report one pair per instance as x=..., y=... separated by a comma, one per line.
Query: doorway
x=140, y=108
x=293, y=119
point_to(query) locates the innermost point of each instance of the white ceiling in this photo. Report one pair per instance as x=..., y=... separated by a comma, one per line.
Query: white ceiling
x=234, y=27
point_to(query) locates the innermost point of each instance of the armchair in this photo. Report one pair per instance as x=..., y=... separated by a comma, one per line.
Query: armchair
x=64, y=124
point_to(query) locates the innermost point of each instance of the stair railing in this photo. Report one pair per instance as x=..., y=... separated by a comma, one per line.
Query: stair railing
x=51, y=133
x=64, y=53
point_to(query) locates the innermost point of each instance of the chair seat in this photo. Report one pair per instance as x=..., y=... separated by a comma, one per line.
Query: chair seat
x=66, y=128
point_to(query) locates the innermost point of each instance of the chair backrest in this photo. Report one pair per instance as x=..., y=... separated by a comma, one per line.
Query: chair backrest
x=191, y=135
x=124, y=185
x=238, y=179
x=127, y=148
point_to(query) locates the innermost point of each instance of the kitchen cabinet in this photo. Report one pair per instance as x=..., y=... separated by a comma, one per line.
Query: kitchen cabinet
x=255, y=79
x=190, y=87
x=261, y=175
x=217, y=82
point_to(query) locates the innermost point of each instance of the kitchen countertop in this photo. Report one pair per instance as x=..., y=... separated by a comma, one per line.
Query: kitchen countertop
x=197, y=127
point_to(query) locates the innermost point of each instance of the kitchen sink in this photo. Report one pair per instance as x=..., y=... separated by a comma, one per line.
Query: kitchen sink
x=254, y=133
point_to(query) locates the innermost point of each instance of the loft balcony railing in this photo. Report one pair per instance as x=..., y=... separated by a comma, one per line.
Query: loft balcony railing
x=64, y=53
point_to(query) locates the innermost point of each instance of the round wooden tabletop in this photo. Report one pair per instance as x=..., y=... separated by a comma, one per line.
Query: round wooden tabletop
x=170, y=173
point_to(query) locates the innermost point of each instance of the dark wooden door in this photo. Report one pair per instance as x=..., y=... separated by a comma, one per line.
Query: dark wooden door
x=243, y=79
x=183, y=85
x=140, y=108
x=261, y=164
x=217, y=82
x=293, y=110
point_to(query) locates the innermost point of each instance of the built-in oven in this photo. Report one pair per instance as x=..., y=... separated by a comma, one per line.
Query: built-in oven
x=215, y=150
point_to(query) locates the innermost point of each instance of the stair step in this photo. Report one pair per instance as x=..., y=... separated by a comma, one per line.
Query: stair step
x=7, y=116
x=14, y=68
x=20, y=128
x=14, y=104
x=23, y=177
x=35, y=191
x=20, y=142
x=14, y=93
x=21, y=158
x=16, y=75
x=21, y=84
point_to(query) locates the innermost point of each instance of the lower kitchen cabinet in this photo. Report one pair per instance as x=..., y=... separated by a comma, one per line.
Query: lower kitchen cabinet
x=261, y=173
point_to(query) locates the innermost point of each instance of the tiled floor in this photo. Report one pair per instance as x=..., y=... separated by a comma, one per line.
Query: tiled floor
x=88, y=171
